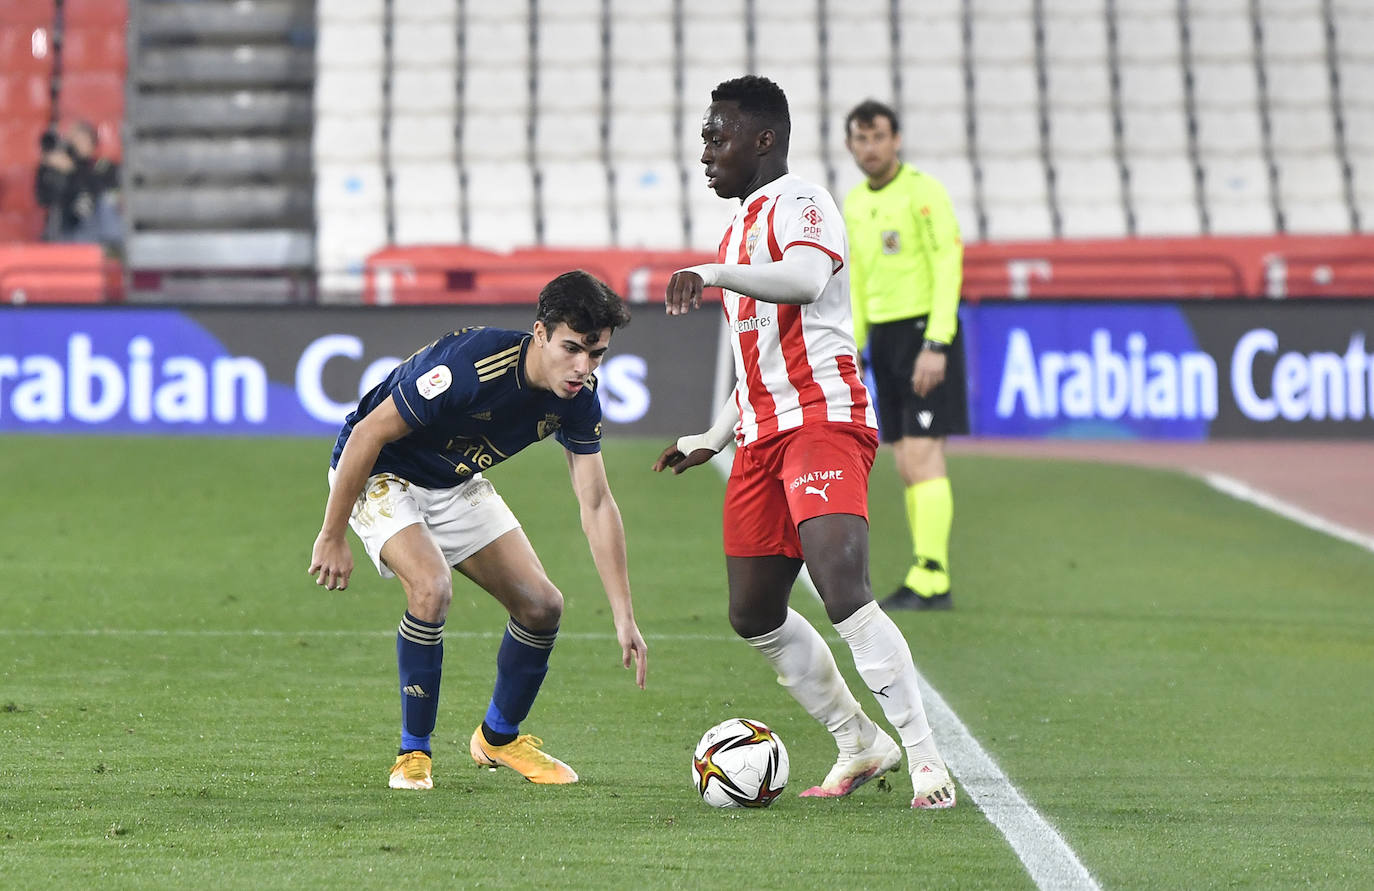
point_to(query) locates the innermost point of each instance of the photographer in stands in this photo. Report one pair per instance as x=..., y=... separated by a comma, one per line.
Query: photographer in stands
x=78, y=190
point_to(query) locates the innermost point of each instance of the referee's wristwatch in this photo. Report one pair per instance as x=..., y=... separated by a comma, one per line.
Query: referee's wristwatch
x=935, y=346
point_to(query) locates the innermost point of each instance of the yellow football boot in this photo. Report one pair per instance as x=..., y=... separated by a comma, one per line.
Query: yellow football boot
x=523, y=756
x=412, y=771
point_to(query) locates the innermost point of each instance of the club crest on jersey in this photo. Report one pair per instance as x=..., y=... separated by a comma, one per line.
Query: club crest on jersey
x=752, y=238
x=811, y=221
x=892, y=241
x=435, y=381
x=548, y=425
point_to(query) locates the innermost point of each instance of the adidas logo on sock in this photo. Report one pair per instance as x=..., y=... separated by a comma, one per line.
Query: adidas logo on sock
x=415, y=690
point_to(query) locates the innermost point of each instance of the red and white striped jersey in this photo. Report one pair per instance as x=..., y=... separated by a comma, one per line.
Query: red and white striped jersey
x=793, y=364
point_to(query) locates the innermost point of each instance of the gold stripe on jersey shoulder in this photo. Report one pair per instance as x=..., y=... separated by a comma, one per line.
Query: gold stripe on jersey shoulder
x=491, y=372
x=501, y=358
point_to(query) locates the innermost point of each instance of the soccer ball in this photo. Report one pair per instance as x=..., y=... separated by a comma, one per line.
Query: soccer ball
x=739, y=763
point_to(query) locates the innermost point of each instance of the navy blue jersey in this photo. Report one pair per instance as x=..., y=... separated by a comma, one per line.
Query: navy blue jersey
x=469, y=408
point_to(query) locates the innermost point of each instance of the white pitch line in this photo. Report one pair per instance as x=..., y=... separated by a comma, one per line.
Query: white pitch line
x=1244, y=492
x=1048, y=859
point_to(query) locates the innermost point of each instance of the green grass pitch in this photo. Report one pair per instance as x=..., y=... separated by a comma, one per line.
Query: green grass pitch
x=1179, y=682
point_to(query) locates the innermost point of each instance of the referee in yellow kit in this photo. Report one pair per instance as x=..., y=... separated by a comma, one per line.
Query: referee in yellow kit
x=906, y=266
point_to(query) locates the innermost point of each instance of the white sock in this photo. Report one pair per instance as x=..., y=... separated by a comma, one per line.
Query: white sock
x=884, y=662
x=807, y=668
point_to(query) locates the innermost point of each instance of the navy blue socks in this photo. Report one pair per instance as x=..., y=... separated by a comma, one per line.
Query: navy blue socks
x=521, y=664
x=419, y=660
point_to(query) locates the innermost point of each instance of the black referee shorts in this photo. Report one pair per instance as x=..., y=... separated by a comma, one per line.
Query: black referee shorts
x=892, y=353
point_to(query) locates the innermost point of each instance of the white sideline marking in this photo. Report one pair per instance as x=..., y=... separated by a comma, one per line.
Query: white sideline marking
x=1243, y=492
x=1048, y=859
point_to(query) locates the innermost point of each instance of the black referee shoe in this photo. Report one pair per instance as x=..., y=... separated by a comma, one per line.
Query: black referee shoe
x=905, y=598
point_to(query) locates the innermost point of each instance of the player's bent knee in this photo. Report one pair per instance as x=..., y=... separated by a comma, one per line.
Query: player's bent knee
x=428, y=600
x=541, y=610
x=752, y=624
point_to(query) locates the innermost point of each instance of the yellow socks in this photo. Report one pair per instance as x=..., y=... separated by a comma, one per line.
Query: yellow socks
x=930, y=514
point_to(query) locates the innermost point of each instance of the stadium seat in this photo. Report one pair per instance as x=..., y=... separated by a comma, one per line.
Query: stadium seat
x=567, y=136
x=93, y=49
x=1154, y=132
x=428, y=225
x=1005, y=39
x=1153, y=217
x=1302, y=130
x=423, y=44
x=1329, y=217
x=349, y=45
x=95, y=97
x=576, y=210
x=1310, y=180
x=1084, y=180
x=20, y=226
x=648, y=88
x=1229, y=133
x=858, y=38
x=1008, y=133
x=635, y=42
x=1081, y=134
x=577, y=10
x=1019, y=222
x=16, y=188
x=1092, y=219
x=425, y=184
x=935, y=84
x=347, y=138
x=1075, y=39
x=1359, y=131
x=1083, y=85
x=95, y=13
x=1225, y=85
x=496, y=136
x=499, y=43
x=1013, y=182
x=423, y=89
x=932, y=131
x=1220, y=38
x=932, y=40
x=494, y=88
x=788, y=37
x=424, y=11
x=1148, y=85
x=500, y=228
x=1297, y=36
x=1299, y=83
x=427, y=136
x=1168, y=179
x=24, y=96
x=498, y=184
x=649, y=135
x=26, y=49
x=1010, y=86
x=850, y=83
x=709, y=215
x=1148, y=38
x=572, y=42
x=28, y=13
x=562, y=88
x=726, y=45
x=19, y=140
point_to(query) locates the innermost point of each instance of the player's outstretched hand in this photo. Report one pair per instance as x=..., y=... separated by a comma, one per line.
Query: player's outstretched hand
x=679, y=462
x=331, y=562
x=633, y=647
x=683, y=293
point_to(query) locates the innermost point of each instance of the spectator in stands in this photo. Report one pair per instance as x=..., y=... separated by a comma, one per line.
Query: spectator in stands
x=906, y=266
x=78, y=189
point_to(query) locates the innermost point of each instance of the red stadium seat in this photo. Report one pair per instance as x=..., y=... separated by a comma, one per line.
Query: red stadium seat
x=29, y=13
x=26, y=49
x=16, y=189
x=95, y=13
x=19, y=141
x=24, y=96
x=91, y=96
x=93, y=49
x=25, y=226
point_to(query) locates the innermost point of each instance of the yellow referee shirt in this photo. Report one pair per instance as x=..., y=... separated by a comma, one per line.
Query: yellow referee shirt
x=905, y=255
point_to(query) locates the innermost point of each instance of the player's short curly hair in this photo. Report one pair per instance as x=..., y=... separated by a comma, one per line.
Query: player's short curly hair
x=868, y=111
x=761, y=99
x=582, y=301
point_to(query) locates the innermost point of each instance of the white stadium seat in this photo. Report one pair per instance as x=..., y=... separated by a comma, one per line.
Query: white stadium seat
x=1008, y=133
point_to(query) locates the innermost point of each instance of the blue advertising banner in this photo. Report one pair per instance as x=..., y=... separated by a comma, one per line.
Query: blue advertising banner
x=296, y=371
x=1162, y=370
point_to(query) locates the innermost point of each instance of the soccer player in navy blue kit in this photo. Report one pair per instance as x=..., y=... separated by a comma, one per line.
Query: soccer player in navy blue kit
x=406, y=475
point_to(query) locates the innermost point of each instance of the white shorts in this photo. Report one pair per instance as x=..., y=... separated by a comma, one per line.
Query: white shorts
x=463, y=520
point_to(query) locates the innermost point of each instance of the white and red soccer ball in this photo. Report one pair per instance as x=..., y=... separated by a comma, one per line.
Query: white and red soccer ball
x=739, y=763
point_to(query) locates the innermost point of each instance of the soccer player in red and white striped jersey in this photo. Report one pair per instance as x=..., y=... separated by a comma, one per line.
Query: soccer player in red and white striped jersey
x=798, y=490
